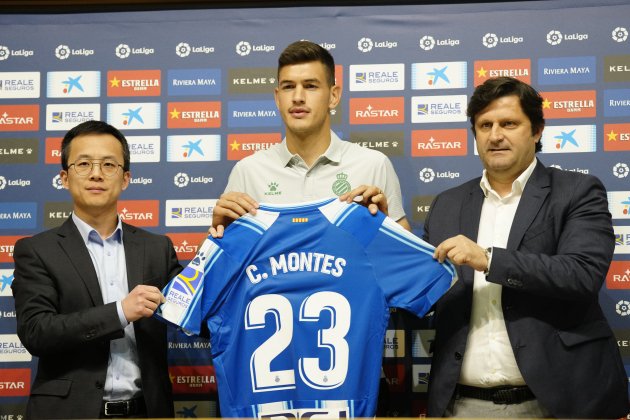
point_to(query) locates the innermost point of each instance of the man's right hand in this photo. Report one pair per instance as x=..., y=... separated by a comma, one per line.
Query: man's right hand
x=229, y=207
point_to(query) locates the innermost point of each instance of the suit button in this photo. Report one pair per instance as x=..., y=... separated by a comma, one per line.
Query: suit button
x=99, y=385
x=458, y=356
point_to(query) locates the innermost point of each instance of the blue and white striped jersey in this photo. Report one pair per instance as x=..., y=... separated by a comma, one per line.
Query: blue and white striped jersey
x=297, y=300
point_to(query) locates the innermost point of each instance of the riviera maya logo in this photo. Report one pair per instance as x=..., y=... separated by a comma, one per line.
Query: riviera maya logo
x=273, y=189
x=341, y=185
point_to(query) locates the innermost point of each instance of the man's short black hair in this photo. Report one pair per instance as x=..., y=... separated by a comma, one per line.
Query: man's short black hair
x=93, y=127
x=304, y=52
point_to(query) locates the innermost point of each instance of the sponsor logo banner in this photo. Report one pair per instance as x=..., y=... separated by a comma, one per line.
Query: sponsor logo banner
x=569, y=139
x=6, y=247
x=619, y=204
x=451, y=142
x=144, y=149
x=11, y=348
x=252, y=80
x=19, y=85
x=622, y=239
x=64, y=117
x=421, y=206
x=569, y=104
x=377, y=110
x=134, y=116
x=430, y=109
x=240, y=146
x=617, y=68
x=195, y=409
x=421, y=341
x=391, y=143
x=139, y=212
x=23, y=150
x=194, y=114
x=194, y=82
x=394, y=345
x=56, y=212
x=420, y=378
x=19, y=117
x=567, y=70
x=53, y=150
x=189, y=212
x=134, y=82
x=18, y=215
x=395, y=376
x=73, y=84
x=193, y=379
x=617, y=137
x=186, y=244
x=375, y=77
x=193, y=148
x=439, y=75
x=15, y=382
x=623, y=342
x=618, y=276
x=253, y=114
x=6, y=279
x=616, y=103
x=487, y=69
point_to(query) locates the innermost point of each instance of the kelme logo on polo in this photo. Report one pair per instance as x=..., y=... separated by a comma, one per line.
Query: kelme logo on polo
x=18, y=85
x=273, y=189
x=341, y=185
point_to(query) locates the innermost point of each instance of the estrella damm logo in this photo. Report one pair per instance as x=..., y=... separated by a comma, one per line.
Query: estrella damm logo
x=569, y=104
x=617, y=137
x=487, y=69
x=240, y=146
x=134, y=83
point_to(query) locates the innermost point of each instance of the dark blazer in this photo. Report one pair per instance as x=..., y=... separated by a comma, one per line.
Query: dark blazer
x=558, y=252
x=62, y=320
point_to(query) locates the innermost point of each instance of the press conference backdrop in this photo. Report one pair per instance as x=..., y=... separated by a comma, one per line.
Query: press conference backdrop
x=192, y=90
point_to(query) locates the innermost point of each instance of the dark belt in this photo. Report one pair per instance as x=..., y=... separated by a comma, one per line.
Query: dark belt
x=498, y=395
x=123, y=408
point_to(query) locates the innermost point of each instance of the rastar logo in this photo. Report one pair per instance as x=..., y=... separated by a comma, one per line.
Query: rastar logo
x=569, y=104
x=15, y=382
x=617, y=137
x=395, y=376
x=487, y=69
x=139, y=212
x=240, y=146
x=186, y=244
x=194, y=114
x=618, y=276
x=53, y=150
x=193, y=379
x=377, y=110
x=134, y=82
x=452, y=142
x=19, y=117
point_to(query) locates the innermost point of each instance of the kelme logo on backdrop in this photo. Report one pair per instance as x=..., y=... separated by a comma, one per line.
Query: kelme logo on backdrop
x=19, y=85
x=24, y=150
x=617, y=137
x=73, y=84
x=19, y=117
x=252, y=80
x=517, y=68
x=194, y=82
x=567, y=70
x=439, y=75
x=617, y=68
x=56, y=212
x=569, y=139
x=390, y=143
x=64, y=117
x=421, y=204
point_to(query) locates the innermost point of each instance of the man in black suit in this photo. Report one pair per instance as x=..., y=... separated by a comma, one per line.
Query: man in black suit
x=521, y=334
x=85, y=293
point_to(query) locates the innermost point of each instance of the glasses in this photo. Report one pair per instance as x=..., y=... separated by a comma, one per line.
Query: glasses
x=84, y=167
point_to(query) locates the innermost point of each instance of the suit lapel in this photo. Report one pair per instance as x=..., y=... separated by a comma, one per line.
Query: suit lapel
x=469, y=219
x=71, y=242
x=534, y=195
x=134, y=256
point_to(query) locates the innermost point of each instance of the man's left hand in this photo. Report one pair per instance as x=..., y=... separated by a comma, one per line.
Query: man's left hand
x=371, y=196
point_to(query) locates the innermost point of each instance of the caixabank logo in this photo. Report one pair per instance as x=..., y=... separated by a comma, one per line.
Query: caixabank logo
x=253, y=114
x=6, y=280
x=619, y=204
x=616, y=103
x=252, y=80
x=569, y=139
x=422, y=343
x=189, y=212
x=618, y=276
x=439, y=75
x=141, y=213
x=144, y=149
x=193, y=148
x=15, y=382
x=193, y=379
x=134, y=83
x=19, y=150
x=617, y=137
x=19, y=85
x=240, y=146
x=18, y=215
x=569, y=104
x=73, y=84
x=448, y=142
x=19, y=117
x=62, y=117
x=567, y=70
x=195, y=408
x=134, y=116
x=194, y=82
x=194, y=114
x=389, y=110
x=487, y=69
x=186, y=244
x=390, y=143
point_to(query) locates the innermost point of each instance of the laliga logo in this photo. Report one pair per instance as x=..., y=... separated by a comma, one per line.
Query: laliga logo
x=490, y=40
x=56, y=182
x=621, y=170
x=183, y=49
x=3, y=182
x=4, y=52
x=243, y=48
x=623, y=308
x=427, y=42
x=123, y=51
x=427, y=175
x=62, y=52
x=365, y=45
x=181, y=179
x=554, y=37
x=620, y=34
